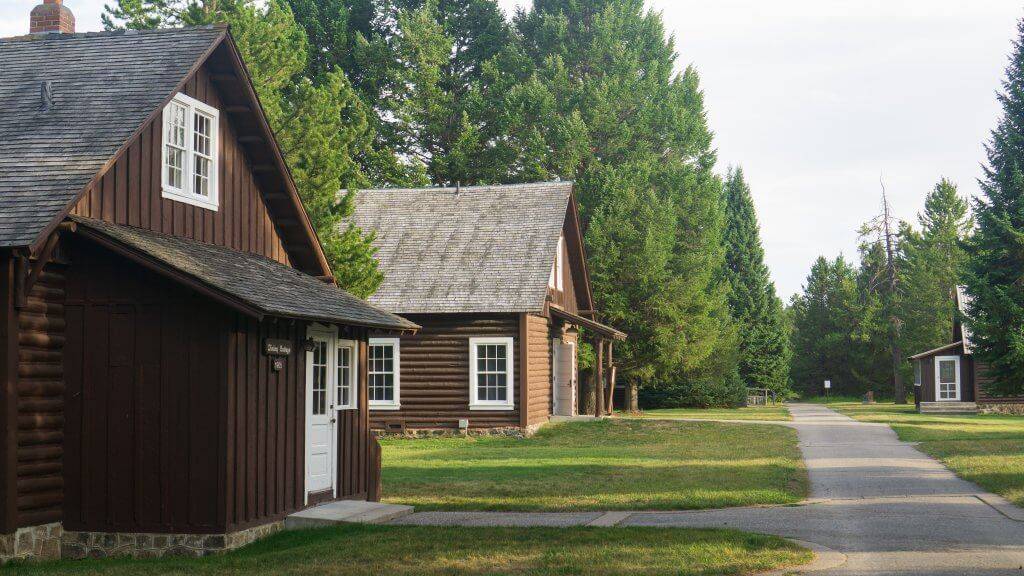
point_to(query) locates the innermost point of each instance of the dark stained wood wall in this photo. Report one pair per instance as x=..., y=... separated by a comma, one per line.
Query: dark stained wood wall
x=143, y=364
x=967, y=385
x=40, y=427
x=539, y=378
x=981, y=378
x=8, y=397
x=207, y=436
x=435, y=372
x=130, y=191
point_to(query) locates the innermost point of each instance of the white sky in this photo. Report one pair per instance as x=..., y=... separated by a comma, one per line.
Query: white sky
x=816, y=99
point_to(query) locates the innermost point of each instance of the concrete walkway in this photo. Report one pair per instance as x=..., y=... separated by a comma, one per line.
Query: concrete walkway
x=889, y=508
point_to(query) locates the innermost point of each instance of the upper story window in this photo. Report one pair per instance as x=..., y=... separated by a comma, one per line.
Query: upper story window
x=384, y=375
x=190, y=152
x=557, y=269
x=491, y=371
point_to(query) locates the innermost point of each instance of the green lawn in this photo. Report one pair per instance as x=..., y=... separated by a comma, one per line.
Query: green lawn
x=614, y=464
x=777, y=412
x=427, y=551
x=985, y=449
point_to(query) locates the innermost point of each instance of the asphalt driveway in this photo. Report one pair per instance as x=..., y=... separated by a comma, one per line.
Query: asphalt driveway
x=887, y=507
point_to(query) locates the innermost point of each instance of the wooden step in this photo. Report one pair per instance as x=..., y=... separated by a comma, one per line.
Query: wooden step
x=948, y=408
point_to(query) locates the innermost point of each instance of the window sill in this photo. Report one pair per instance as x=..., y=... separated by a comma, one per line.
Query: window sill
x=493, y=407
x=186, y=198
x=385, y=407
x=343, y=408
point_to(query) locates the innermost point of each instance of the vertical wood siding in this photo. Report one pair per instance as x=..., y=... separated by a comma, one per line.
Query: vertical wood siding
x=539, y=334
x=40, y=429
x=435, y=372
x=143, y=366
x=129, y=193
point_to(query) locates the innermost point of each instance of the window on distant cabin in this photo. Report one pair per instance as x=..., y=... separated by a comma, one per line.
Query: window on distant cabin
x=490, y=379
x=917, y=372
x=384, y=375
x=346, y=398
x=556, y=281
x=190, y=152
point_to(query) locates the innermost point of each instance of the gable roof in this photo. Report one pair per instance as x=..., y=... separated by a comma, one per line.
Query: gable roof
x=471, y=249
x=106, y=87
x=250, y=283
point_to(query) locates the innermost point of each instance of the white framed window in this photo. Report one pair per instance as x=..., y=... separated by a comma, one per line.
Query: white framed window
x=346, y=397
x=491, y=372
x=190, y=143
x=383, y=369
x=917, y=372
x=556, y=281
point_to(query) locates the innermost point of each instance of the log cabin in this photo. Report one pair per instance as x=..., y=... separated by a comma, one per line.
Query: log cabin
x=496, y=276
x=178, y=370
x=949, y=379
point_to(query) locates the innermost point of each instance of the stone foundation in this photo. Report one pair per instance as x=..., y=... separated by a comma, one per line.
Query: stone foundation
x=35, y=542
x=505, y=432
x=78, y=545
x=1015, y=409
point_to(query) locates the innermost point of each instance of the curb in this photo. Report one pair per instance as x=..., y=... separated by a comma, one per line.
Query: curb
x=825, y=558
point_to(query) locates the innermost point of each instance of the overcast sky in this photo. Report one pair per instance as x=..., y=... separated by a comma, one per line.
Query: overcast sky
x=816, y=99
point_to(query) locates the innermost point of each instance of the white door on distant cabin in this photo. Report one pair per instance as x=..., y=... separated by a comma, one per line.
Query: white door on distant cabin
x=321, y=386
x=947, y=378
x=563, y=378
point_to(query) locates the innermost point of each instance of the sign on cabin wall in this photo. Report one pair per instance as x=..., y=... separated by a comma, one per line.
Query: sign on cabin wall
x=277, y=347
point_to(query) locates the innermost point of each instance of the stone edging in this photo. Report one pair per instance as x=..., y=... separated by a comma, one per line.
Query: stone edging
x=78, y=545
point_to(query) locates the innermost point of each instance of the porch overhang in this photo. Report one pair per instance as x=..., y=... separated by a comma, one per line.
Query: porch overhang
x=592, y=325
x=933, y=351
x=251, y=284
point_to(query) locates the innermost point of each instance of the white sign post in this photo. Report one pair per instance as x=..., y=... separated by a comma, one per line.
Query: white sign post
x=828, y=386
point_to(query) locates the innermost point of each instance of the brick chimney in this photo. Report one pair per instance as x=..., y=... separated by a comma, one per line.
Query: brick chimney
x=51, y=16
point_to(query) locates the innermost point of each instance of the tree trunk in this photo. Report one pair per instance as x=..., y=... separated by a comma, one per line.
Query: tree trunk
x=587, y=400
x=634, y=398
x=897, y=375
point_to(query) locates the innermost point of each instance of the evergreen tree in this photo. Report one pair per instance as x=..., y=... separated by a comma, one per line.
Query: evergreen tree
x=933, y=264
x=764, y=341
x=996, y=259
x=825, y=330
x=320, y=123
x=589, y=92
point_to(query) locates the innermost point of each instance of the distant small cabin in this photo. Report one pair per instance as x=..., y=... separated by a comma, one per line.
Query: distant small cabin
x=948, y=379
x=497, y=278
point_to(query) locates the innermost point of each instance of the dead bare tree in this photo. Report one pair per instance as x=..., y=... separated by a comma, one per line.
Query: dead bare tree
x=887, y=280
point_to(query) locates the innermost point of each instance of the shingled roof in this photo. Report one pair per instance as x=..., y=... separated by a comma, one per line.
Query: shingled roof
x=253, y=283
x=104, y=86
x=473, y=249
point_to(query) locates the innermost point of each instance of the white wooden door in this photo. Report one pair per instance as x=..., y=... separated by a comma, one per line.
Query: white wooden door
x=321, y=386
x=563, y=378
x=947, y=378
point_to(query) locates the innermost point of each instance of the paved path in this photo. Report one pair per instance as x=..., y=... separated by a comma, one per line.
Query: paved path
x=889, y=508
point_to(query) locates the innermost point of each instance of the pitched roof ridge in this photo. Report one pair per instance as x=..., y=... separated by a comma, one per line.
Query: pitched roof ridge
x=520, y=185
x=110, y=33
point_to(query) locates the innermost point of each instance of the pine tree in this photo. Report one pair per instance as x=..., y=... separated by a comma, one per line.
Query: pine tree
x=764, y=343
x=320, y=123
x=589, y=91
x=933, y=264
x=996, y=259
x=826, y=330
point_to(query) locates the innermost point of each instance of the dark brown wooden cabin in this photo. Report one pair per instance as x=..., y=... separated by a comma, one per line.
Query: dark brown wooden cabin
x=175, y=359
x=496, y=276
x=949, y=378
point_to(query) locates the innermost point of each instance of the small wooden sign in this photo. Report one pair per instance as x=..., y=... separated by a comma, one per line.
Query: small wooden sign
x=277, y=347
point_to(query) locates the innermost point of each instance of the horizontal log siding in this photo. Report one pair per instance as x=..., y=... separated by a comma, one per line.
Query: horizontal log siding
x=40, y=435
x=539, y=335
x=130, y=192
x=435, y=372
x=981, y=379
x=144, y=366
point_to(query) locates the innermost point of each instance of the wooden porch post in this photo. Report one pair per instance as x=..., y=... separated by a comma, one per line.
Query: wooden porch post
x=599, y=379
x=610, y=374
